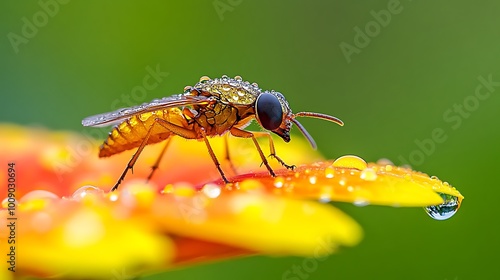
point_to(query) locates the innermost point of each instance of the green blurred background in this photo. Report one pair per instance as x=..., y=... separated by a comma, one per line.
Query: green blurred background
x=392, y=91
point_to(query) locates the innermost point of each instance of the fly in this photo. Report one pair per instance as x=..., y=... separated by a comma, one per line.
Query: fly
x=212, y=107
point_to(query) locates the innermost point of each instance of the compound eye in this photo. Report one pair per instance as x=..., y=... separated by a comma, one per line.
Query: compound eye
x=269, y=111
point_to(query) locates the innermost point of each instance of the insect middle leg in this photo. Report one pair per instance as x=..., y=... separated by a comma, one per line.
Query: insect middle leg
x=157, y=162
x=228, y=155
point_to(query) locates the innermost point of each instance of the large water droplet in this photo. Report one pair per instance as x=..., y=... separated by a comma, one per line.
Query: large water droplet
x=350, y=162
x=446, y=210
x=84, y=191
x=211, y=190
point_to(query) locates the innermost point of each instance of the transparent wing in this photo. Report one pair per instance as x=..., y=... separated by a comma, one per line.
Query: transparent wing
x=111, y=118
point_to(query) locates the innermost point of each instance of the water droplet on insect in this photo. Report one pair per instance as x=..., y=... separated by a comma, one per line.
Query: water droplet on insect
x=238, y=78
x=350, y=161
x=368, y=174
x=279, y=182
x=330, y=172
x=446, y=210
x=211, y=190
x=84, y=191
x=204, y=79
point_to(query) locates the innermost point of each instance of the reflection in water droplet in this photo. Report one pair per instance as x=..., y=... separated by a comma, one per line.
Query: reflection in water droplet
x=312, y=180
x=446, y=210
x=368, y=175
x=350, y=162
x=329, y=172
x=82, y=192
x=279, y=181
x=211, y=190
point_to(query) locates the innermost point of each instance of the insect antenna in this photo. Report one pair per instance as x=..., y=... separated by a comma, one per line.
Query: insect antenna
x=316, y=116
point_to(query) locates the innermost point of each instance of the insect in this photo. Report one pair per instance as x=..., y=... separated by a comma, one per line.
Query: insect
x=212, y=107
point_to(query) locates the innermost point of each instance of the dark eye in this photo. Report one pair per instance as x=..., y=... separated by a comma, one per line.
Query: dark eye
x=269, y=111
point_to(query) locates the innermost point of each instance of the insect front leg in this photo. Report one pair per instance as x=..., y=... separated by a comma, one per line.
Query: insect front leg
x=247, y=134
x=272, y=150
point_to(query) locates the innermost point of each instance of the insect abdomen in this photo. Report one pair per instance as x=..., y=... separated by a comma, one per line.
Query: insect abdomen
x=130, y=133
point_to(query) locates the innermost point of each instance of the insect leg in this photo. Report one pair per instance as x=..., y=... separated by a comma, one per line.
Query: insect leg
x=131, y=163
x=247, y=134
x=228, y=155
x=157, y=163
x=181, y=131
x=191, y=134
x=272, y=150
x=214, y=158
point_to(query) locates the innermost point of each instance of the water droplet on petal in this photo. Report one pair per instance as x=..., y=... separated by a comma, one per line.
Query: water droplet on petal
x=360, y=202
x=238, y=78
x=350, y=162
x=446, y=210
x=38, y=194
x=384, y=161
x=313, y=180
x=434, y=178
x=388, y=168
x=368, y=174
x=330, y=172
x=9, y=202
x=279, y=182
x=84, y=191
x=211, y=190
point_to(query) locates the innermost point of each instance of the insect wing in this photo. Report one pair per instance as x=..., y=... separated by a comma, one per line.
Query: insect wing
x=117, y=116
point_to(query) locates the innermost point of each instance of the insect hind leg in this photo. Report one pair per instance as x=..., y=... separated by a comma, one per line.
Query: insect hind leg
x=157, y=162
x=175, y=129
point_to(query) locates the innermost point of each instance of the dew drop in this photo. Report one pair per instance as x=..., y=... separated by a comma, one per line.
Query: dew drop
x=350, y=161
x=433, y=178
x=238, y=78
x=38, y=194
x=384, y=161
x=188, y=88
x=211, y=190
x=84, y=191
x=368, y=174
x=204, y=79
x=446, y=210
x=313, y=180
x=360, y=202
x=330, y=172
x=9, y=202
x=279, y=182
x=388, y=168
